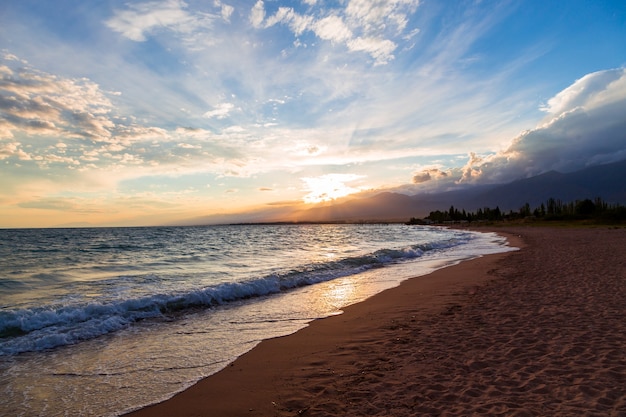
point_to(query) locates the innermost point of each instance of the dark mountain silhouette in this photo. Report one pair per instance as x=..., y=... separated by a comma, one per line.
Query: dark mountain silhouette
x=386, y=206
x=605, y=181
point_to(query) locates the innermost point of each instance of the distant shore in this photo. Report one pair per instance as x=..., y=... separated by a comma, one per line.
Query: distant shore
x=539, y=331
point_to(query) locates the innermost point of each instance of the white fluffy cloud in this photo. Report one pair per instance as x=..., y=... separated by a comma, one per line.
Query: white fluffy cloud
x=226, y=10
x=38, y=103
x=586, y=125
x=375, y=15
x=141, y=19
x=332, y=28
x=586, y=92
x=257, y=14
x=380, y=49
x=362, y=26
x=220, y=111
x=12, y=149
x=286, y=15
x=373, y=27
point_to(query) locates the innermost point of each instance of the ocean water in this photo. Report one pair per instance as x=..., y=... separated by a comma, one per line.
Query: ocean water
x=101, y=321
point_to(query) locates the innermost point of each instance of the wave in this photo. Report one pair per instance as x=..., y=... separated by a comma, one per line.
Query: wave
x=36, y=329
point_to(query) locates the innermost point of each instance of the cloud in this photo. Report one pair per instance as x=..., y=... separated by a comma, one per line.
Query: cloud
x=428, y=174
x=144, y=18
x=303, y=148
x=421, y=177
x=38, y=103
x=220, y=111
x=296, y=22
x=188, y=146
x=225, y=10
x=375, y=15
x=257, y=14
x=63, y=125
x=583, y=93
x=4, y=69
x=380, y=49
x=12, y=149
x=50, y=204
x=362, y=26
x=332, y=28
x=586, y=126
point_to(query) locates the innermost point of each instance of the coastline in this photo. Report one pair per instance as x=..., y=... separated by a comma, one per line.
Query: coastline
x=470, y=338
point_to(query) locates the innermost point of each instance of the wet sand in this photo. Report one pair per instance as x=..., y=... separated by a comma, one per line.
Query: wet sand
x=540, y=331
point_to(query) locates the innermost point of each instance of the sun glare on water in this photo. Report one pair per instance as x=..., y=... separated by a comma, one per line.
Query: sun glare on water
x=329, y=187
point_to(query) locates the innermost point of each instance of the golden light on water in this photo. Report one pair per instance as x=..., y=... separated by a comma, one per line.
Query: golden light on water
x=341, y=294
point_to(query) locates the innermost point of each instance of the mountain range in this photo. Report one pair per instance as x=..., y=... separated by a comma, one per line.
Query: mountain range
x=605, y=181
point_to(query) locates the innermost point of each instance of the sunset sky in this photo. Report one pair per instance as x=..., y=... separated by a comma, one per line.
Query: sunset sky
x=122, y=112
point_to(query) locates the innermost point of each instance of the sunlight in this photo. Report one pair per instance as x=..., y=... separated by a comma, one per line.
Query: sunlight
x=329, y=187
x=341, y=294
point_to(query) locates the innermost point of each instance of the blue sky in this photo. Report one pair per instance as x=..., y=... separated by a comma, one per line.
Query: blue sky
x=146, y=112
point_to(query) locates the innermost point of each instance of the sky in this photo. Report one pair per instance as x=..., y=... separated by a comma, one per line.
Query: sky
x=149, y=112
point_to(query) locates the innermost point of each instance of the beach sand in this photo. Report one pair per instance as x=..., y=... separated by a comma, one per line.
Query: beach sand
x=536, y=332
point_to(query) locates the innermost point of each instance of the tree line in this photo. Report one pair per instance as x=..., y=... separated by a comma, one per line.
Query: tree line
x=552, y=209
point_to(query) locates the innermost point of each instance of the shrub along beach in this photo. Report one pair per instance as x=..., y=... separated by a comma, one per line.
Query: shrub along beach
x=596, y=211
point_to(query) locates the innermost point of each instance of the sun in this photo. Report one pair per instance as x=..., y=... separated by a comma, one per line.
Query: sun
x=329, y=187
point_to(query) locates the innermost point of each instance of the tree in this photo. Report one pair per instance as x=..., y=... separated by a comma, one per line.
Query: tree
x=585, y=208
x=496, y=215
x=524, y=211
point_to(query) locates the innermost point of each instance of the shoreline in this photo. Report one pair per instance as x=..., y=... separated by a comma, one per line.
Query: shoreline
x=420, y=347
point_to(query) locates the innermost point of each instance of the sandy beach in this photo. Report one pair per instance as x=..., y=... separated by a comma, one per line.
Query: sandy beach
x=536, y=332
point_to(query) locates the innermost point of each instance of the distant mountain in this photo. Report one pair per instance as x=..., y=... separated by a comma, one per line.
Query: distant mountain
x=269, y=214
x=385, y=206
x=605, y=181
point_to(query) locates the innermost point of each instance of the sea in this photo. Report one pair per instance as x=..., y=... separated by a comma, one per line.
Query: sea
x=102, y=321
